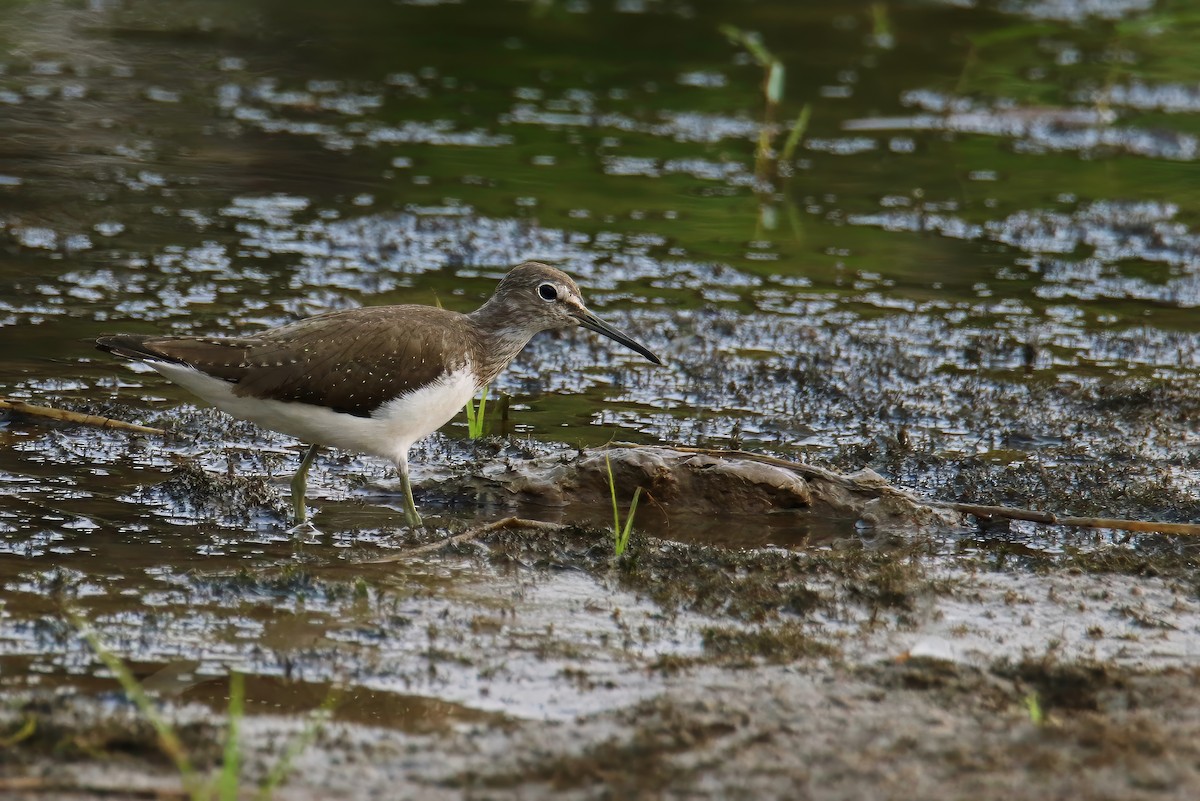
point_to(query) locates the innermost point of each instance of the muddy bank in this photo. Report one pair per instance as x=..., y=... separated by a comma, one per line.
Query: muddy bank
x=676, y=671
x=898, y=730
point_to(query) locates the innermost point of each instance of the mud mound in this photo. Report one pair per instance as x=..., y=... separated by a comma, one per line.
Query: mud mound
x=712, y=482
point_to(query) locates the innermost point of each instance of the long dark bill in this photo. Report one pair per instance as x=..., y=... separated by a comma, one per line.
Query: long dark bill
x=594, y=323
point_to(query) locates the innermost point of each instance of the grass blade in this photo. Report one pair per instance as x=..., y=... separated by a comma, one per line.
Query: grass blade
x=27, y=730
x=881, y=26
x=623, y=540
x=612, y=491
x=1033, y=705
x=797, y=132
x=475, y=416
x=295, y=747
x=620, y=533
x=482, y=405
x=227, y=784
x=750, y=40
x=775, y=78
x=168, y=740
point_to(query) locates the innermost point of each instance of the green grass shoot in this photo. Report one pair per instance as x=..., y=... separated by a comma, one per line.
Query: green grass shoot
x=1034, y=706
x=227, y=781
x=881, y=26
x=475, y=416
x=27, y=730
x=751, y=41
x=168, y=740
x=774, y=76
x=226, y=785
x=620, y=532
x=797, y=132
x=295, y=746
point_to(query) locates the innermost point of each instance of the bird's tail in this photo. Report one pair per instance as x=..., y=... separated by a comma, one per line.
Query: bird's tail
x=139, y=347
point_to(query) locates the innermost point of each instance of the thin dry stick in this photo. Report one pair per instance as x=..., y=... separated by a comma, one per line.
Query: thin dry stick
x=466, y=536
x=75, y=417
x=420, y=550
x=1052, y=519
x=978, y=510
x=37, y=784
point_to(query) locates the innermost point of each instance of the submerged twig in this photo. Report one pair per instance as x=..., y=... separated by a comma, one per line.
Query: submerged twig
x=76, y=417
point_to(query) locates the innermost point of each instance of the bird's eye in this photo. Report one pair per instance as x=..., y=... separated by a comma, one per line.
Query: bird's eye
x=547, y=292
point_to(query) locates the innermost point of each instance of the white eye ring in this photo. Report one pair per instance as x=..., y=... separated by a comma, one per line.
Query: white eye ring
x=547, y=292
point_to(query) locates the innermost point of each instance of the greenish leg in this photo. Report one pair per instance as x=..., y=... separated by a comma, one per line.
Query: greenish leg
x=300, y=484
x=410, y=506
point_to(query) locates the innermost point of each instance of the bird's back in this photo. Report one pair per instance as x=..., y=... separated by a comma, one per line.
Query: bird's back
x=351, y=361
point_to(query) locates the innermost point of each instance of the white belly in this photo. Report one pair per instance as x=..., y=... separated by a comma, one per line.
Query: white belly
x=389, y=432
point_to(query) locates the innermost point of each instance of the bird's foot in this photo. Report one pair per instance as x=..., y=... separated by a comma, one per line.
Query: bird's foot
x=305, y=532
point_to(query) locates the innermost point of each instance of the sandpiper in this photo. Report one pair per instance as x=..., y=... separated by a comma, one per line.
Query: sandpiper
x=372, y=380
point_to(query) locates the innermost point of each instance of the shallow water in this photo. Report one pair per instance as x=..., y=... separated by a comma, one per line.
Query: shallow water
x=977, y=275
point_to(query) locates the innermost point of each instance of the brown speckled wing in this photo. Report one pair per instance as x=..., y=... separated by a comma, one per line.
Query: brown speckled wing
x=351, y=361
